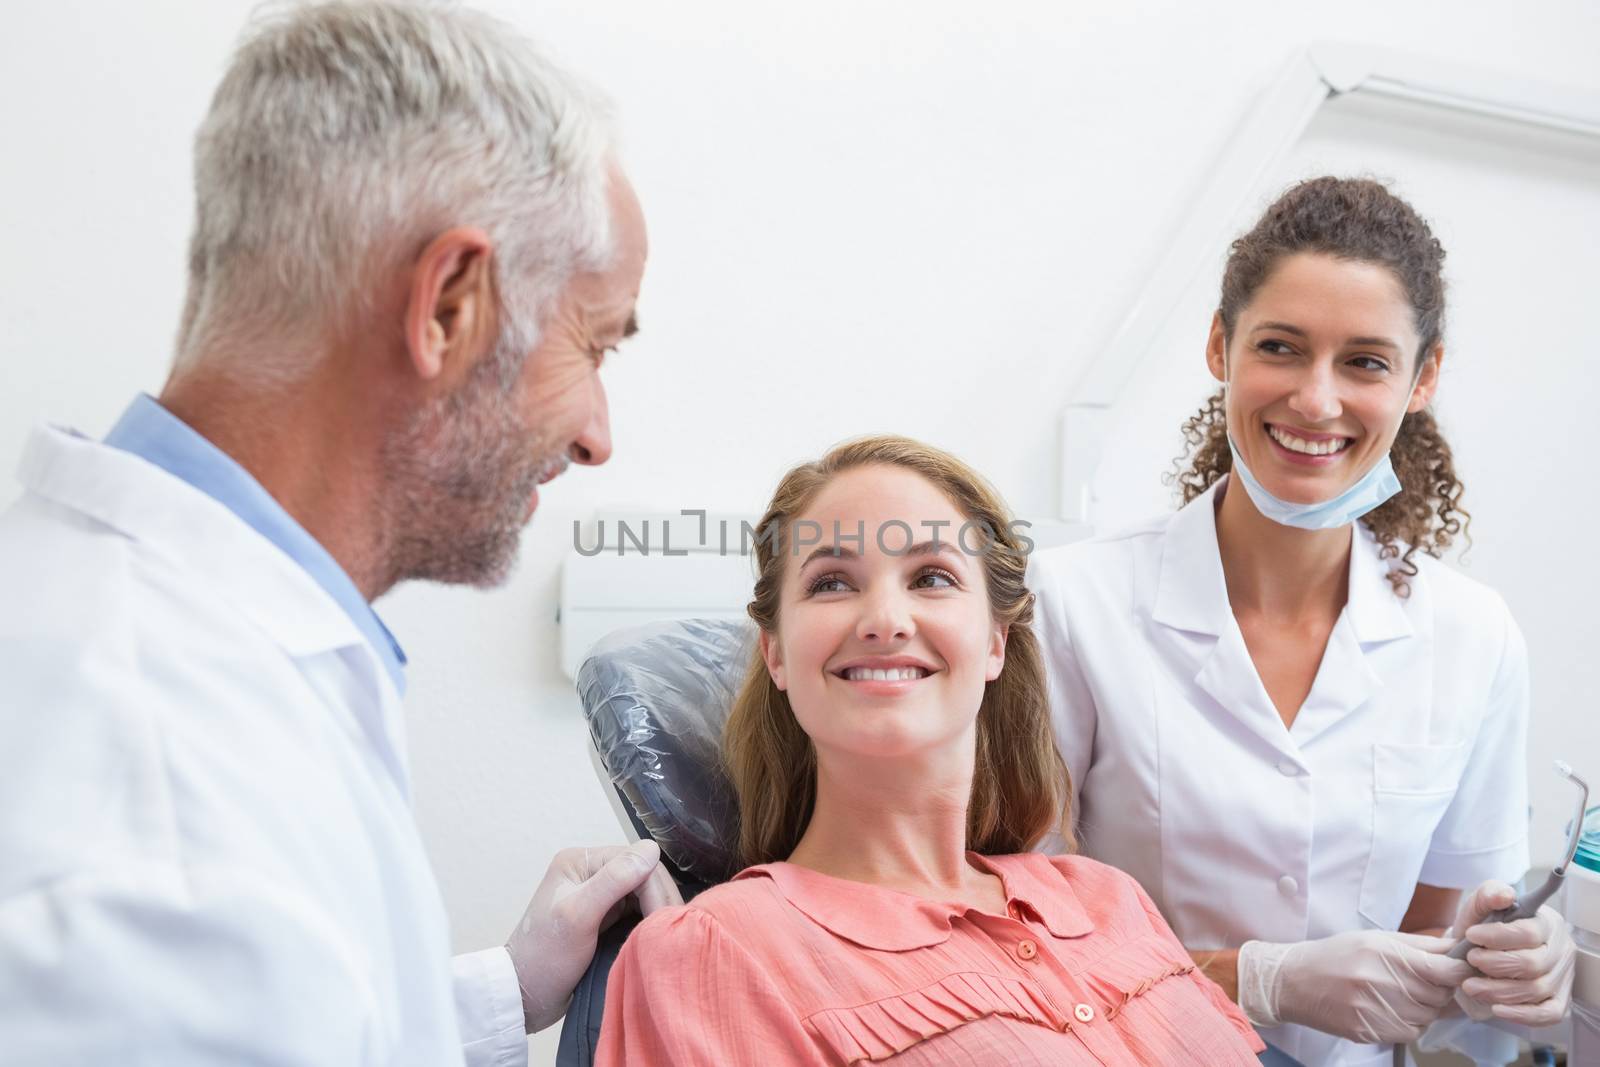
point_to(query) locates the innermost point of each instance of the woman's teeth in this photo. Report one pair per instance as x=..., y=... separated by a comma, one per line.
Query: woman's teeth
x=1310, y=448
x=894, y=674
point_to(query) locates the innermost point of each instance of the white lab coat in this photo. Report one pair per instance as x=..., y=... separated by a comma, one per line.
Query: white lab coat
x=207, y=853
x=1406, y=763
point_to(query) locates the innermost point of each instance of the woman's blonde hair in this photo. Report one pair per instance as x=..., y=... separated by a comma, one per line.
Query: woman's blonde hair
x=1020, y=786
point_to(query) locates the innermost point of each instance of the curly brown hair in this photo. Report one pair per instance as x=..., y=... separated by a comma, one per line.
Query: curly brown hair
x=1353, y=219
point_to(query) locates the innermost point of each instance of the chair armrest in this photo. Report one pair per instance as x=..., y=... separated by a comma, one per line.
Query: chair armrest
x=580, y=1030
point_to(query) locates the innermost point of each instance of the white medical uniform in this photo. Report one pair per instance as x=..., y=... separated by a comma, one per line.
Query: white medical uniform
x=1405, y=764
x=207, y=853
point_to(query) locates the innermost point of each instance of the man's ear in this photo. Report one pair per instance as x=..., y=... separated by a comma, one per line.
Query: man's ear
x=774, y=660
x=450, y=310
x=997, y=652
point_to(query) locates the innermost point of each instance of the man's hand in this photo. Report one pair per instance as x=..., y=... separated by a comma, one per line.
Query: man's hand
x=1526, y=966
x=1365, y=985
x=584, y=891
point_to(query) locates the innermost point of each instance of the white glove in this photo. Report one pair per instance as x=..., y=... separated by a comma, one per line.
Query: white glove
x=1371, y=986
x=584, y=891
x=1526, y=965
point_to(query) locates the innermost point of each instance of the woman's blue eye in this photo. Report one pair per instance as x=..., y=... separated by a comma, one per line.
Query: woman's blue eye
x=947, y=579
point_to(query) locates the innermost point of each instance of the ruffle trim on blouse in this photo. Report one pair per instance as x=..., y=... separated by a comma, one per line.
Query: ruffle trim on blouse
x=1181, y=1026
x=1116, y=999
x=1131, y=970
x=889, y=1026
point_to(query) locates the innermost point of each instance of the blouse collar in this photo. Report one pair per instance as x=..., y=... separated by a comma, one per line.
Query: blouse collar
x=886, y=919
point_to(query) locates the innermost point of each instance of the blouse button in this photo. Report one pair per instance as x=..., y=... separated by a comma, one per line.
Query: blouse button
x=1083, y=1013
x=1027, y=949
x=1288, y=886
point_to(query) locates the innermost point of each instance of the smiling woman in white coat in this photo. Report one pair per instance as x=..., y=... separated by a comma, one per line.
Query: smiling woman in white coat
x=1300, y=731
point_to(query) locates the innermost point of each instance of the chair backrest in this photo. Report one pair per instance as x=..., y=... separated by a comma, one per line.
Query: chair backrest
x=656, y=698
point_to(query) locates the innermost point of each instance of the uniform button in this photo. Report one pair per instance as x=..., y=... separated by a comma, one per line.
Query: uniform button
x=1287, y=769
x=1288, y=886
x=1027, y=949
x=1083, y=1013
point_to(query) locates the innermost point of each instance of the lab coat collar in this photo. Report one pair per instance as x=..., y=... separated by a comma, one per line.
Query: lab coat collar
x=1346, y=677
x=891, y=921
x=193, y=531
x=151, y=432
x=211, y=547
x=1375, y=612
x=1192, y=594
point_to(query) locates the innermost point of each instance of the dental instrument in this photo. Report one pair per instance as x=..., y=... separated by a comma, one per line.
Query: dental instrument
x=1528, y=904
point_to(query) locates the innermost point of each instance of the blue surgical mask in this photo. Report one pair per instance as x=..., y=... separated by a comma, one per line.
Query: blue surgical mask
x=1370, y=490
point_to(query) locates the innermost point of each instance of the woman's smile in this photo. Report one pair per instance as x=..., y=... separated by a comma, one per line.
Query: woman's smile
x=1306, y=448
x=884, y=675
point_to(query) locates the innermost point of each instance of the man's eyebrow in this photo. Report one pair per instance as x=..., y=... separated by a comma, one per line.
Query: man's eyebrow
x=1285, y=327
x=606, y=329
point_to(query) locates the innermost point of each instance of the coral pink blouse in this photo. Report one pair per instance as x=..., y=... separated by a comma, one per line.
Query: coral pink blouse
x=785, y=966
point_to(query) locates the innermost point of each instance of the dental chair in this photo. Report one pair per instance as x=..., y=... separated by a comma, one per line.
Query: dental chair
x=656, y=698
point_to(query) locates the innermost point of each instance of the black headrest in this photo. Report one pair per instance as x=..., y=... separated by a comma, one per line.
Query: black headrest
x=656, y=698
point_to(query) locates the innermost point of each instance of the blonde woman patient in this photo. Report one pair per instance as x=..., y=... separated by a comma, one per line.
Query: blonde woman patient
x=893, y=759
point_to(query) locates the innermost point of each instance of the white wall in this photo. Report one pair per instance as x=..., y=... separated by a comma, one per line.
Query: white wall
x=920, y=217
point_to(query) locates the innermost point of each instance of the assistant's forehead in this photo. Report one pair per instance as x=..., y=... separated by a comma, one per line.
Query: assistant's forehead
x=1320, y=292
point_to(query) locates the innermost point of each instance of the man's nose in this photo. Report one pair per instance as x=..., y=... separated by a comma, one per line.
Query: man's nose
x=592, y=446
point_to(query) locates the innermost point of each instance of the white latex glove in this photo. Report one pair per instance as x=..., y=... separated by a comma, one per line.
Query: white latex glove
x=1371, y=986
x=584, y=891
x=1526, y=965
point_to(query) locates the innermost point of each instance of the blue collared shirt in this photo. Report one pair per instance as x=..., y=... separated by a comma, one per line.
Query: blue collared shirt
x=153, y=433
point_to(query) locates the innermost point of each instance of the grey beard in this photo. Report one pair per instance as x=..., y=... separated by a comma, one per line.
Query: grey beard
x=460, y=476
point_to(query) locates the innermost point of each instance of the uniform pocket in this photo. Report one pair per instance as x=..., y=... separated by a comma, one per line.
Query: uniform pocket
x=1412, y=785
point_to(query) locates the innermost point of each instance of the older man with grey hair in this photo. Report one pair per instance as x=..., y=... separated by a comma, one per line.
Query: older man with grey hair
x=412, y=250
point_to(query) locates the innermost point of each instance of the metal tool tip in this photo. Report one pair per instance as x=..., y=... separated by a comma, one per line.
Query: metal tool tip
x=1564, y=768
